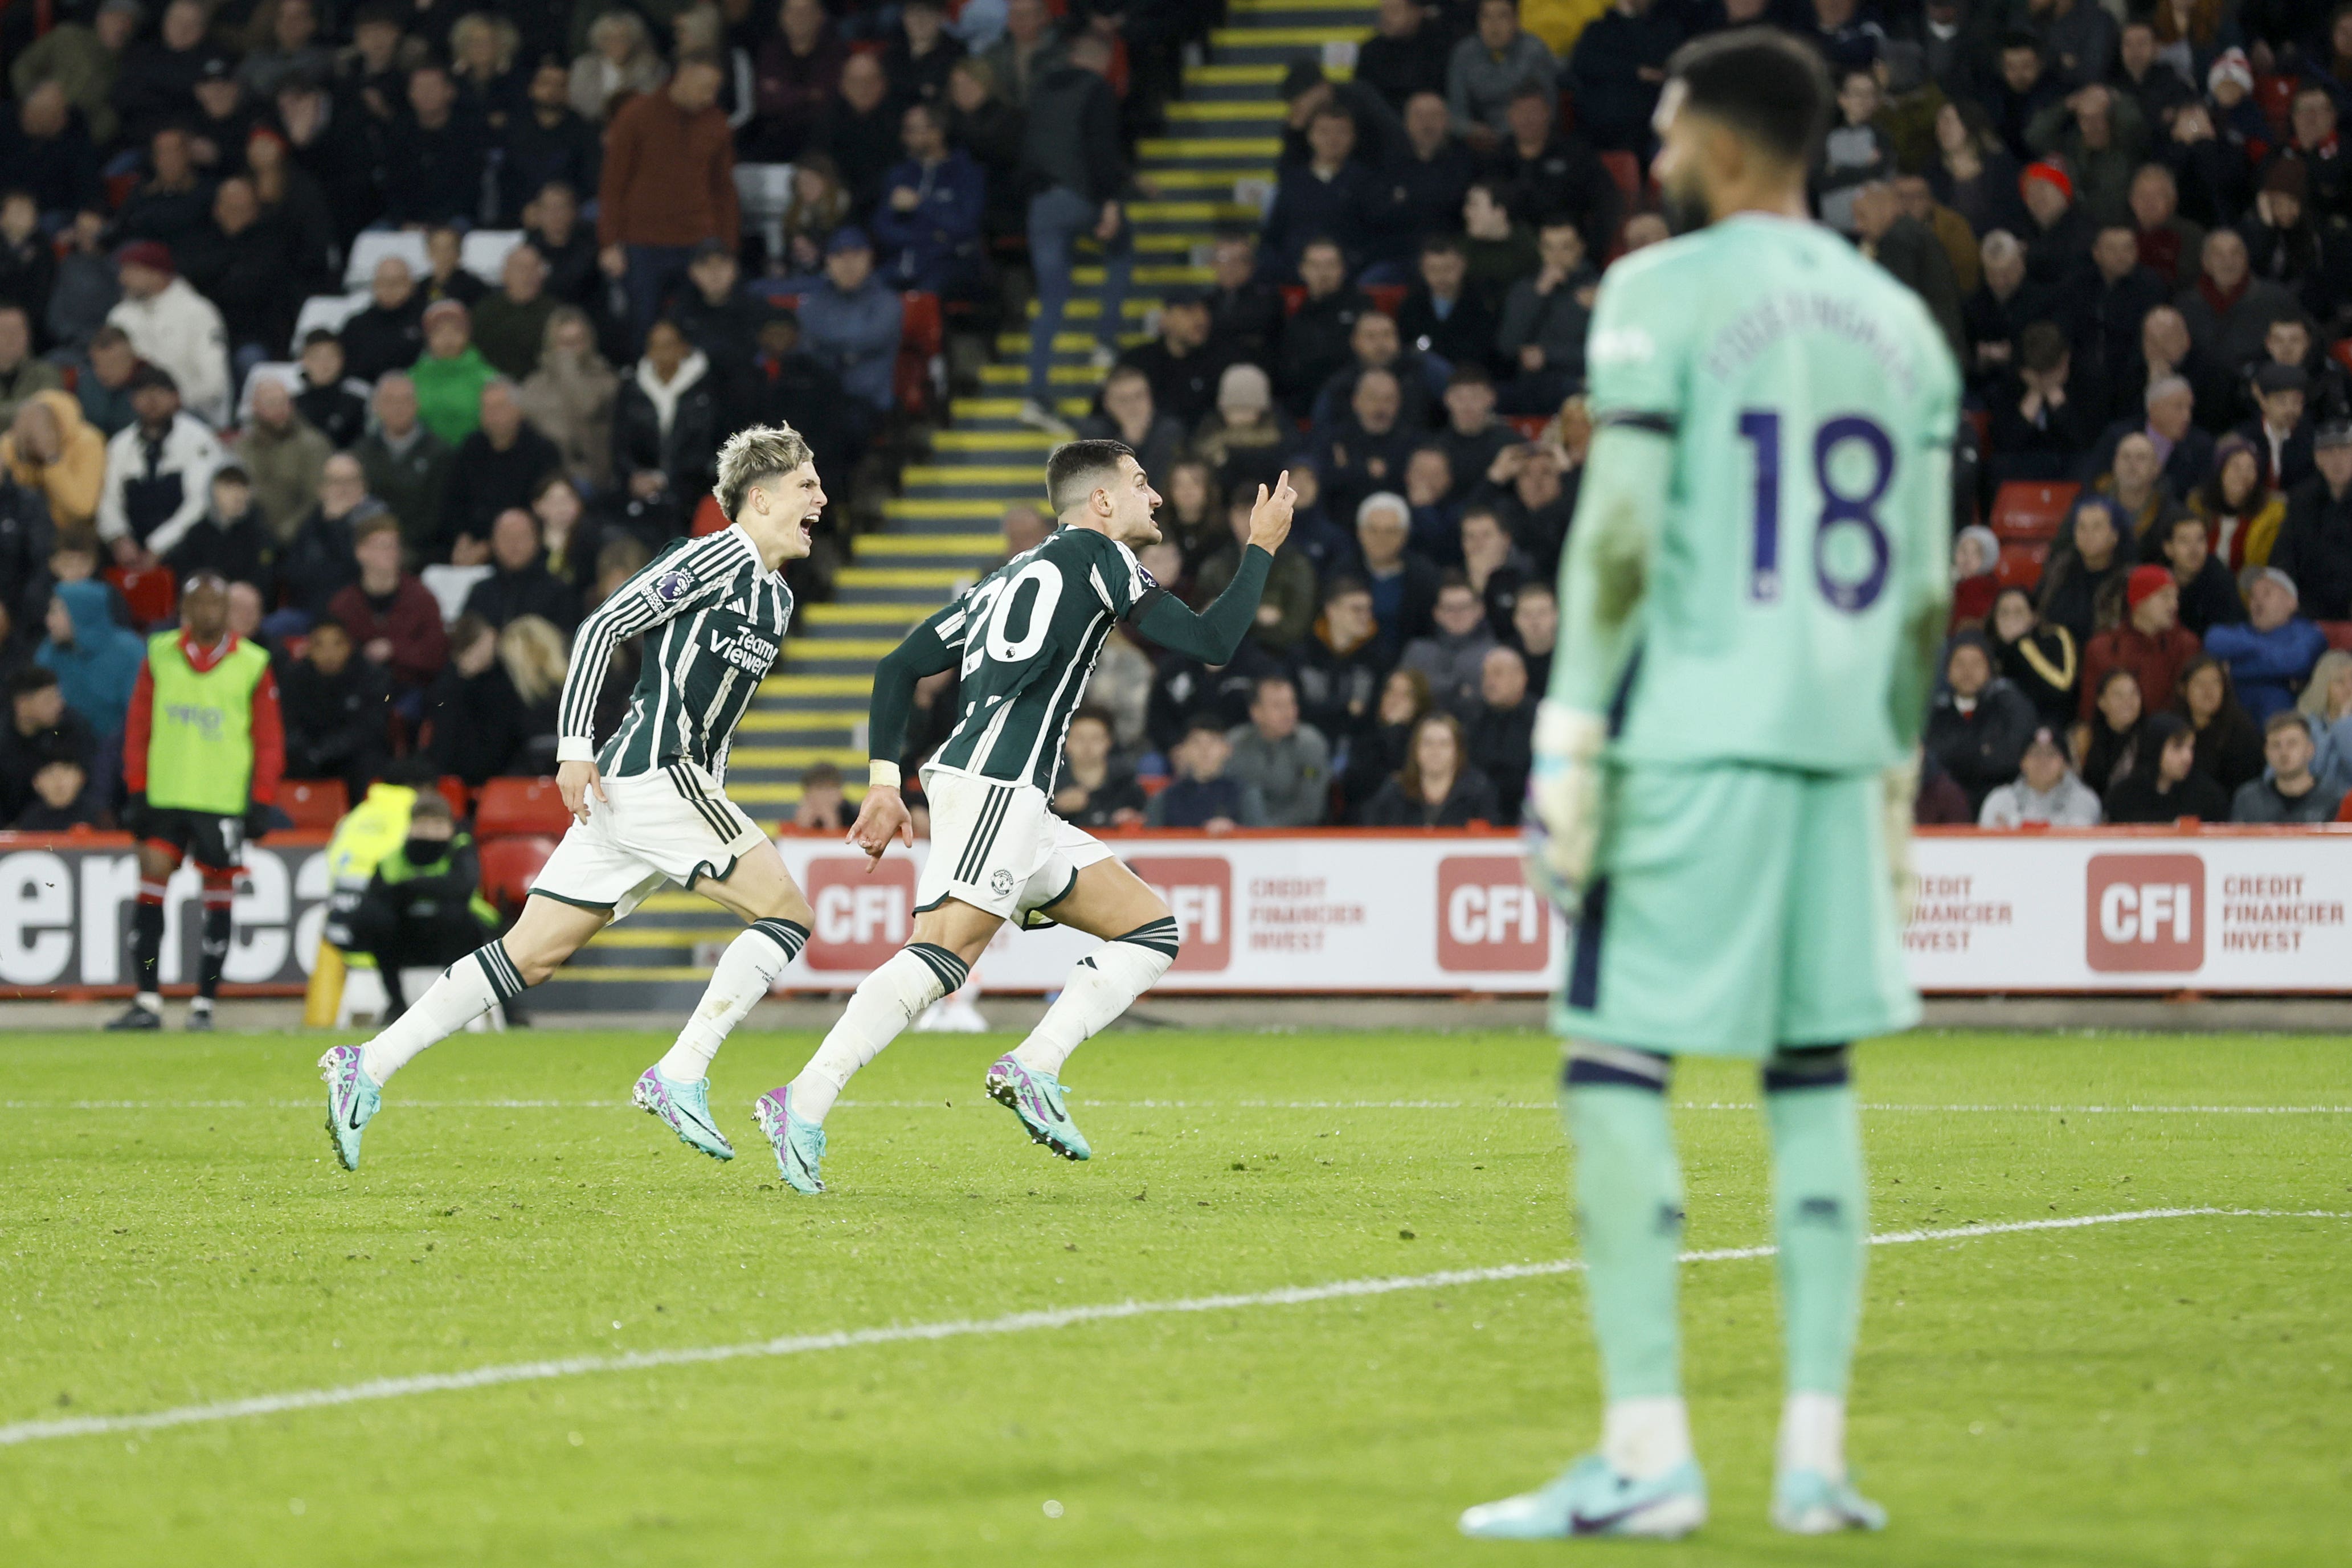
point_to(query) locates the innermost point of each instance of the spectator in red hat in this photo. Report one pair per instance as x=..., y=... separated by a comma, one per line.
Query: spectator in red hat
x=2150, y=641
x=174, y=327
x=2060, y=234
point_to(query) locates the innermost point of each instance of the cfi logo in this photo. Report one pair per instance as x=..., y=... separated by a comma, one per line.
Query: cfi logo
x=1489, y=919
x=2147, y=914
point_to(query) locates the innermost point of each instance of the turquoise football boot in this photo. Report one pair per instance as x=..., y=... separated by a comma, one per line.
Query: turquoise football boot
x=684, y=1108
x=799, y=1144
x=352, y=1099
x=1036, y=1099
x=1591, y=1498
x=1807, y=1502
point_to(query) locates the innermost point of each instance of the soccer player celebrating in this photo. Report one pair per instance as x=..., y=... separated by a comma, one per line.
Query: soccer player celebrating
x=1727, y=759
x=202, y=753
x=1025, y=639
x=648, y=808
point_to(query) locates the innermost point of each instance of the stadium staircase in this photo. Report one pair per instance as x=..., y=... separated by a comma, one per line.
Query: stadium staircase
x=1211, y=167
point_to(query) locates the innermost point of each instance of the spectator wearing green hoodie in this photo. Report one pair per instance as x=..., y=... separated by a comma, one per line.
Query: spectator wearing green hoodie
x=96, y=662
x=450, y=377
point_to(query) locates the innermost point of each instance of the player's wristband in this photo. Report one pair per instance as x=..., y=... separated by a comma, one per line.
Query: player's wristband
x=881, y=775
x=575, y=748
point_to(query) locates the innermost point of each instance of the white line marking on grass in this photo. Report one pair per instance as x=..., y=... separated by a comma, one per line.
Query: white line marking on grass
x=1012, y=1322
x=943, y=1104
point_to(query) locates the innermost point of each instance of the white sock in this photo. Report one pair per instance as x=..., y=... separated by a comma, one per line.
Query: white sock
x=1645, y=1438
x=744, y=974
x=884, y=1004
x=1812, y=1435
x=466, y=990
x=1102, y=984
x=151, y=1000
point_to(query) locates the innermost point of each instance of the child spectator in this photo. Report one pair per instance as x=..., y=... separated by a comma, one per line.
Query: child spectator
x=1202, y=795
x=2046, y=790
x=337, y=709
x=2164, y=783
x=2039, y=661
x=229, y=539
x=1979, y=724
x=40, y=730
x=822, y=807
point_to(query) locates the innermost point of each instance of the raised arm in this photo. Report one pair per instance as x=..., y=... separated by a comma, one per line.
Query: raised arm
x=1215, y=634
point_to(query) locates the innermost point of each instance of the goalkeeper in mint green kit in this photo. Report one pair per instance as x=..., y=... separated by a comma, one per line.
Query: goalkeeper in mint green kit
x=1749, y=612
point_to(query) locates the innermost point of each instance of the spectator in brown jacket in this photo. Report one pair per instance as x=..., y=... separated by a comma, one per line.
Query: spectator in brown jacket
x=2151, y=643
x=668, y=185
x=394, y=620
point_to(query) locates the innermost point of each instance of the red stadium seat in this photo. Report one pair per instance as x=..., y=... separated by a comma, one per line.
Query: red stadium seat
x=922, y=335
x=2340, y=633
x=453, y=789
x=1626, y=170
x=2274, y=96
x=1386, y=297
x=152, y=596
x=2027, y=511
x=315, y=804
x=2020, y=565
x=509, y=866
x=2342, y=350
x=707, y=518
x=519, y=806
x=1293, y=294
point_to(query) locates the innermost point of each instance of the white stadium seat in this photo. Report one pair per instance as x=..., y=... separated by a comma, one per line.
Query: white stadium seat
x=485, y=252
x=371, y=248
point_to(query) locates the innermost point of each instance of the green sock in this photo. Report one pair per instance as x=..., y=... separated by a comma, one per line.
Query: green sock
x=1820, y=1213
x=1629, y=1211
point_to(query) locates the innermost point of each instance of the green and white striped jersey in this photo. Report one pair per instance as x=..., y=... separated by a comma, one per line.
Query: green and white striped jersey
x=1029, y=632
x=713, y=617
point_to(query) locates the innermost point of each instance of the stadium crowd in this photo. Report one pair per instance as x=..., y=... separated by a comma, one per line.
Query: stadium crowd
x=2134, y=226
x=415, y=498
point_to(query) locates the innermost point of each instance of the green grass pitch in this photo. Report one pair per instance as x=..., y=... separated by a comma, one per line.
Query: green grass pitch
x=2160, y=1391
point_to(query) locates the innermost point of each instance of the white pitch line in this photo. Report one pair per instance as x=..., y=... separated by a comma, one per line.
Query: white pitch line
x=1011, y=1324
x=1875, y=1106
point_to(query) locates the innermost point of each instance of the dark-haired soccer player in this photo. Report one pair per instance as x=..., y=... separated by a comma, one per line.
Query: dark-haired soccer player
x=650, y=809
x=1024, y=638
x=1726, y=762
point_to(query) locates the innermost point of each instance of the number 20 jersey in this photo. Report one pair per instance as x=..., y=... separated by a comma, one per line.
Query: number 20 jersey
x=1027, y=636
x=1811, y=403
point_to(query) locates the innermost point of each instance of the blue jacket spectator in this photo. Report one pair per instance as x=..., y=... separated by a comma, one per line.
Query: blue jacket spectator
x=929, y=215
x=2272, y=653
x=1329, y=197
x=96, y=662
x=852, y=323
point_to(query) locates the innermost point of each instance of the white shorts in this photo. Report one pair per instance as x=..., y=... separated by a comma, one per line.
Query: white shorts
x=996, y=847
x=669, y=825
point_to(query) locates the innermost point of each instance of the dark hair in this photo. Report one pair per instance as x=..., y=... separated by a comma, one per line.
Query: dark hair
x=1342, y=585
x=821, y=773
x=1093, y=715
x=81, y=540
x=467, y=630
x=2289, y=719
x=1409, y=776
x=31, y=678
x=1280, y=678
x=2041, y=347
x=1763, y=84
x=1200, y=721
x=1442, y=243
x=1454, y=577
x=431, y=803
x=1073, y=467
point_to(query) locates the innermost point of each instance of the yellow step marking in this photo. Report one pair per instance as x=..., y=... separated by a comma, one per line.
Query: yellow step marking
x=860, y=615
x=845, y=648
x=964, y=544
x=794, y=755
x=1059, y=375
x=787, y=794
x=778, y=720
x=1313, y=38
x=975, y=473
x=1092, y=277
x=901, y=576
x=1176, y=149
x=1197, y=212
x=1252, y=76
x=932, y=509
x=1091, y=309
x=679, y=936
x=1009, y=407
x=993, y=441
x=1206, y=179
x=788, y=686
x=1228, y=109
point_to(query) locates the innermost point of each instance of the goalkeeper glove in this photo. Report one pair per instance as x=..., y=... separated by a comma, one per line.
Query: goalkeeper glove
x=258, y=819
x=133, y=815
x=1899, y=788
x=1564, y=801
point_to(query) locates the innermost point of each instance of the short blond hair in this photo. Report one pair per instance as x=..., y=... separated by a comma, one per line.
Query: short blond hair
x=752, y=454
